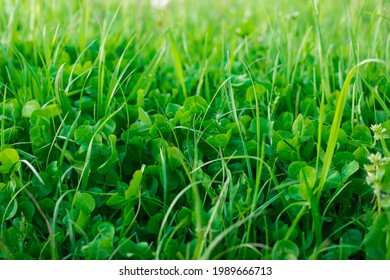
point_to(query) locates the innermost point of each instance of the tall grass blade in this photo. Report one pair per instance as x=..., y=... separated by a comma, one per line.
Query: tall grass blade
x=178, y=64
x=335, y=128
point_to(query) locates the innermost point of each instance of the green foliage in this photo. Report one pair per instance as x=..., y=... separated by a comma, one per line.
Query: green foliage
x=8, y=159
x=376, y=242
x=167, y=139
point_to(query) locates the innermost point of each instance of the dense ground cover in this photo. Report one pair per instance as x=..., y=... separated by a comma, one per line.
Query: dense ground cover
x=196, y=130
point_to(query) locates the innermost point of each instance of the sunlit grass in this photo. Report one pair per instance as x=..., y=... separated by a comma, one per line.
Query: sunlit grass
x=192, y=129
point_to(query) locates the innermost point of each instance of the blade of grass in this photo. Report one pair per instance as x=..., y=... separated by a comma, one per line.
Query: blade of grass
x=324, y=72
x=146, y=78
x=223, y=235
x=2, y=138
x=167, y=214
x=331, y=145
x=233, y=109
x=102, y=98
x=335, y=128
x=178, y=64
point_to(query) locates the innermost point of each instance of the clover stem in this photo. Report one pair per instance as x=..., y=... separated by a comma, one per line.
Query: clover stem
x=377, y=189
x=384, y=146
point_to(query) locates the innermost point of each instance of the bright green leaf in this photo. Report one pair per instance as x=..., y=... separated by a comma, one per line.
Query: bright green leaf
x=82, y=221
x=385, y=187
x=286, y=149
x=144, y=117
x=333, y=180
x=42, y=189
x=361, y=155
x=362, y=135
x=29, y=107
x=53, y=110
x=341, y=159
x=8, y=159
x=303, y=127
x=133, y=191
x=84, y=202
x=352, y=237
x=308, y=176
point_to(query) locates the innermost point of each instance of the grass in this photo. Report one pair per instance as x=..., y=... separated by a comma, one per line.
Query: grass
x=196, y=130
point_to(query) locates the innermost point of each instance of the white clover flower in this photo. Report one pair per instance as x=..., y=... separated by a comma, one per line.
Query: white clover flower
x=376, y=171
x=372, y=177
x=370, y=168
x=377, y=159
x=379, y=132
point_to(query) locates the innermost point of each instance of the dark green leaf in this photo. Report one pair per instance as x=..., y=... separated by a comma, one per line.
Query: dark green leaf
x=171, y=109
x=154, y=223
x=362, y=135
x=258, y=91
x=27, y=209
x=53, y=110
x=286, y=149
x=349, y=169
x=144, y=117
x=352, y=237
x=195, y=104
x=284, y=121
x=117, y=201
x=376, y=240
x=342, y=158
x=42, y=189
x=219, y=140
x=82, y=221
x=265, y=128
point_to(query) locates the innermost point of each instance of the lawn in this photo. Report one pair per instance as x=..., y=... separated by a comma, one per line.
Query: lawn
x=183, y=129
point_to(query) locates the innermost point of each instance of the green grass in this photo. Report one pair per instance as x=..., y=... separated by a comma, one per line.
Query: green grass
x=199, y=130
